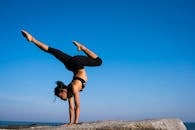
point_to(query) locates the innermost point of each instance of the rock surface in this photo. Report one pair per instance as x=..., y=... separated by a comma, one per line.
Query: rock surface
x=156, y=124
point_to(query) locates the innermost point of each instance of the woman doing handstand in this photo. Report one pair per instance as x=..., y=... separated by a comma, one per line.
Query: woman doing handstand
x=76, y=65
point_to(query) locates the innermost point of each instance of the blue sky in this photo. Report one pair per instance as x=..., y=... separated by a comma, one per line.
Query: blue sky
x=147, y=47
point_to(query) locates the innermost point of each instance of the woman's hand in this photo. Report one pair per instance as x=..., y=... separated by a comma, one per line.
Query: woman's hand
x=69, y=124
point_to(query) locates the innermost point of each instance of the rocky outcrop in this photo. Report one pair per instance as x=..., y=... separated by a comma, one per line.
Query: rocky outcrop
x=157, y=124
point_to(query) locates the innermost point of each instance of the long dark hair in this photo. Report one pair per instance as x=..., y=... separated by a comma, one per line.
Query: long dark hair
x=60, y=86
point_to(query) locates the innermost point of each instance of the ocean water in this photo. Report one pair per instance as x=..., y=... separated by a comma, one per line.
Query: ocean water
x=190, y=126
x=15, y=124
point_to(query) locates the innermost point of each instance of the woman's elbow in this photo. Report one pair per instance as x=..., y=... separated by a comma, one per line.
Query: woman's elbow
x=71, y=108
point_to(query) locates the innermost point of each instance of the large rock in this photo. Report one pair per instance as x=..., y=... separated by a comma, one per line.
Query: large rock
x=158, y=124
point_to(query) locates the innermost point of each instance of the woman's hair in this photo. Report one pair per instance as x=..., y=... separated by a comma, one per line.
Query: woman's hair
x=60, y=86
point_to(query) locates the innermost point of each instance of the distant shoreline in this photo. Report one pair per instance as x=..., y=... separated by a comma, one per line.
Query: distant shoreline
x=24, y=124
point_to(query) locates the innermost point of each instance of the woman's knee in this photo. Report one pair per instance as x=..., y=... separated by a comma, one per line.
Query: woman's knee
x=99, y=61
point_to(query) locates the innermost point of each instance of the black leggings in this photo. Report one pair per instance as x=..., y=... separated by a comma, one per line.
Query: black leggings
x=74, y=63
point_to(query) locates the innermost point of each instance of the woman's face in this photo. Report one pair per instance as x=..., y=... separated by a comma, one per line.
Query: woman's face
x=63, y=95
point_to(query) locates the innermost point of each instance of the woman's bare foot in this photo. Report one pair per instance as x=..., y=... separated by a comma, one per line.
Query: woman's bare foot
x=88, y=52
x=80, y=47
x=27, y=35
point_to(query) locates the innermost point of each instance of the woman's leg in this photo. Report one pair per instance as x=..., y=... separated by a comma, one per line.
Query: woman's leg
x=55, y=52
x=91, y=60
x=30, y=38
x=88, y=52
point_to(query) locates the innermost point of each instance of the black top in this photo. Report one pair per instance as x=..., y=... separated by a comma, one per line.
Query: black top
x=70, y=91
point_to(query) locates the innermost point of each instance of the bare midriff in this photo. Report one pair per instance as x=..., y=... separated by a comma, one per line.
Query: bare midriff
x=81, y=73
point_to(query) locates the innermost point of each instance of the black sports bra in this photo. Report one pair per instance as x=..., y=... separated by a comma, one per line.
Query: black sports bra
x=70, y=94
x=82, y=81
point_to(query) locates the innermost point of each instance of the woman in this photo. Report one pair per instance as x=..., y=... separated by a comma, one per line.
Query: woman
x=76, y=65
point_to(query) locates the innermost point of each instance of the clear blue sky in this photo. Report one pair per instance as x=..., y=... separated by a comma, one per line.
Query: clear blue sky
x=147, y=47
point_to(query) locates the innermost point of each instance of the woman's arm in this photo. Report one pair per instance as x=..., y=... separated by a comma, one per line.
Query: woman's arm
x=77, y=106
x=71, y=110
x=76, y=87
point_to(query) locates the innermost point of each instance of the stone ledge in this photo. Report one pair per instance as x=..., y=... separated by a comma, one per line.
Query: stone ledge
x=154, y=124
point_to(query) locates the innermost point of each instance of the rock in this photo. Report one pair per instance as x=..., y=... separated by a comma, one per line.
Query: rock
x=156, y=124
